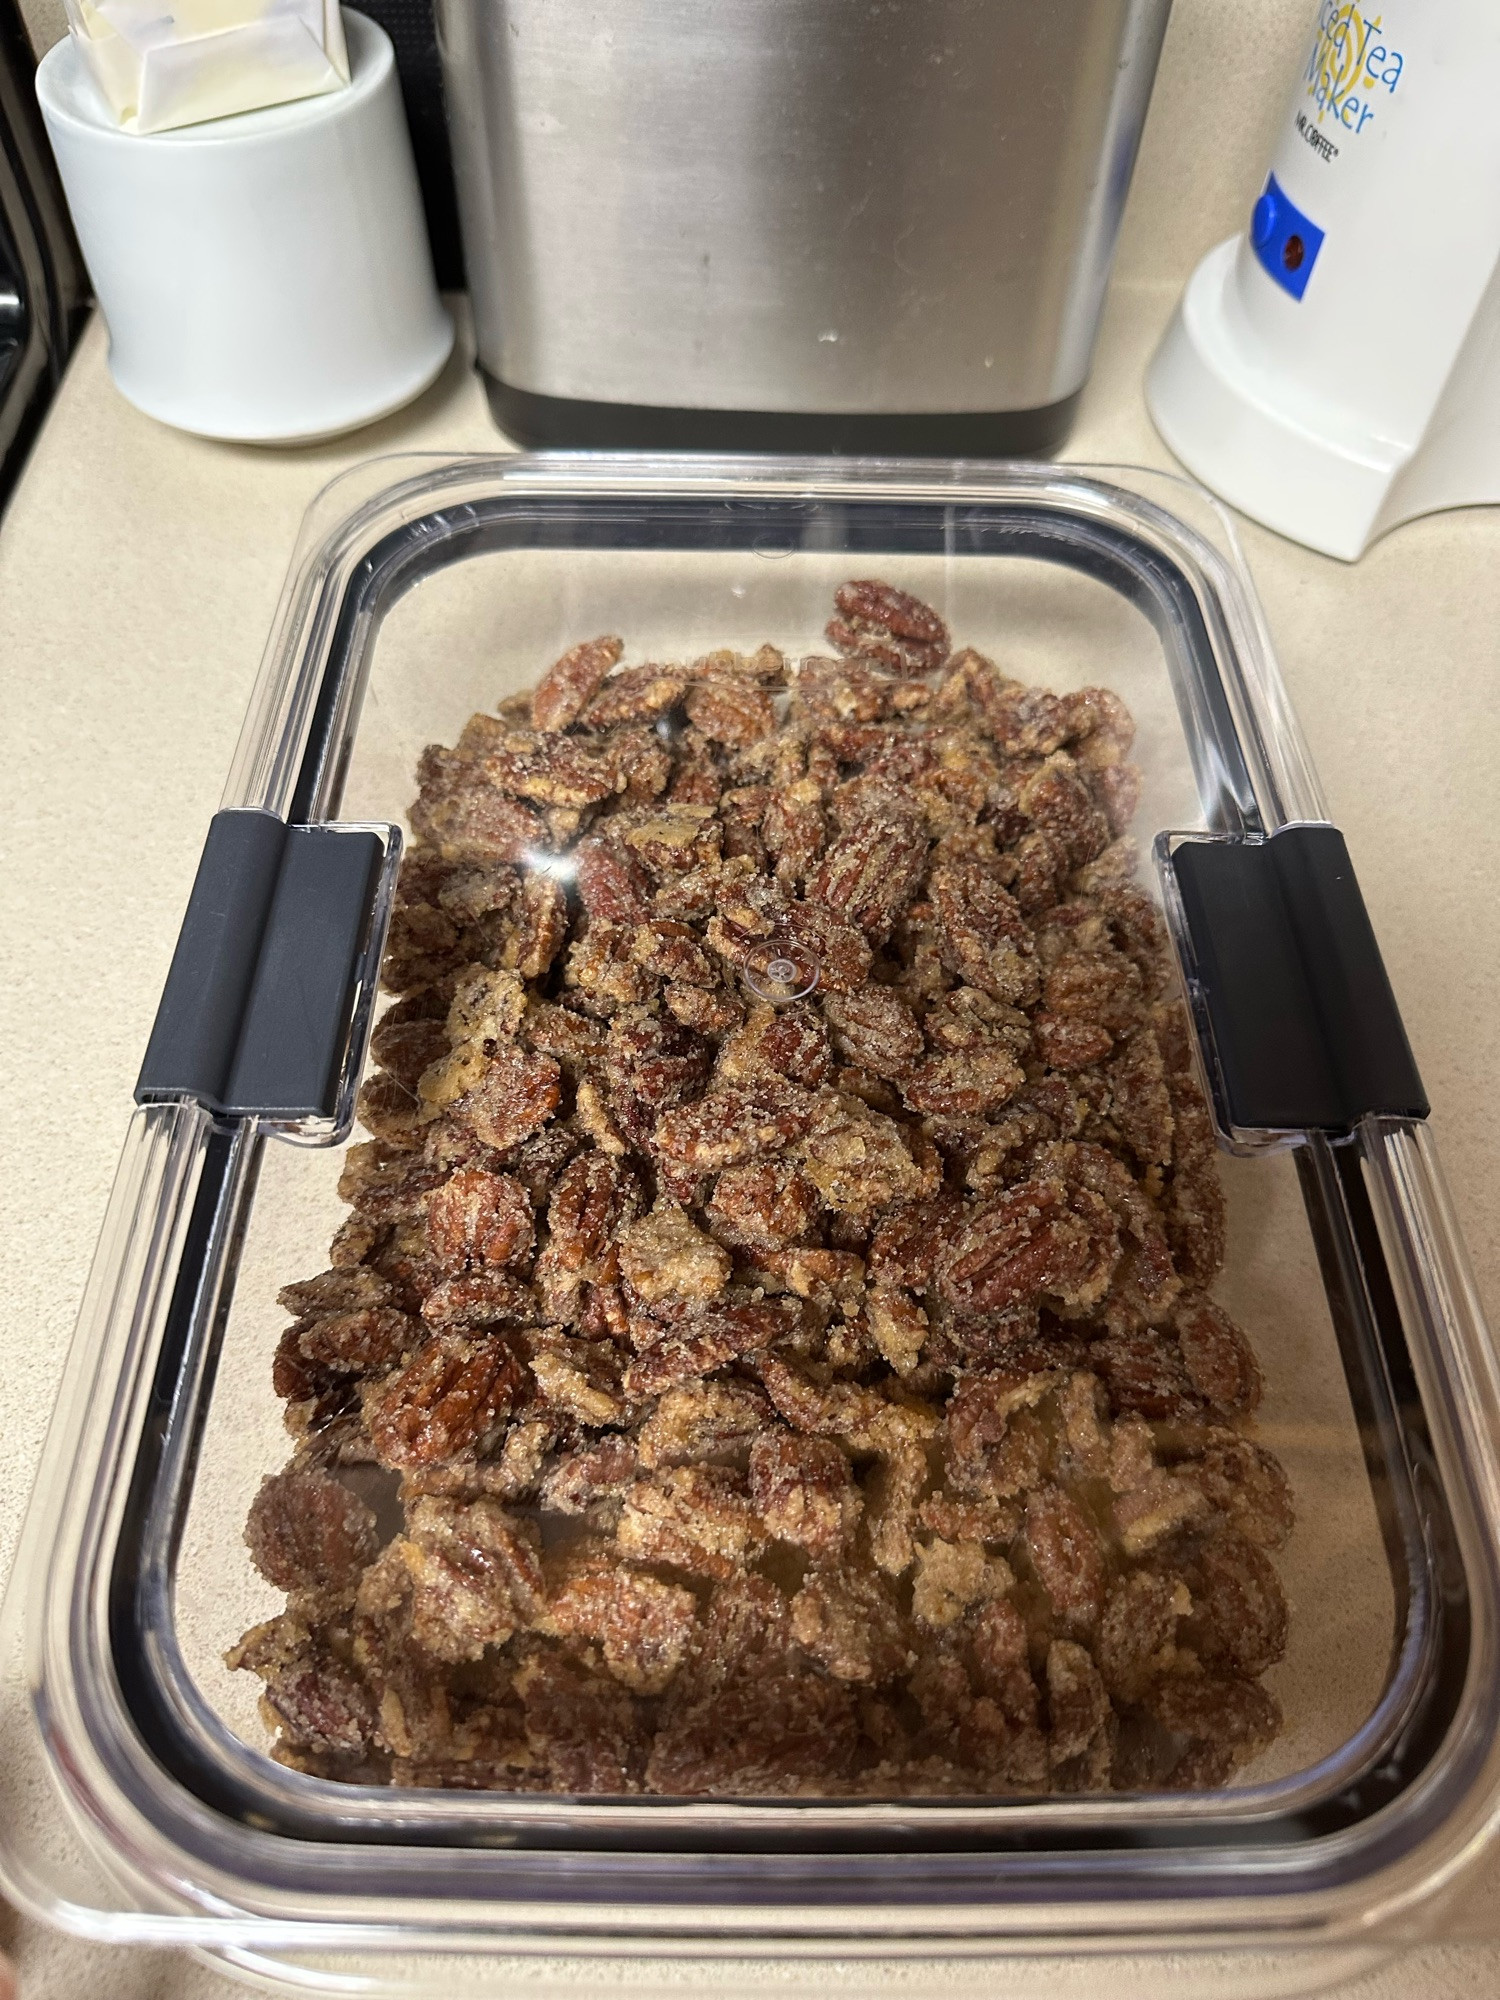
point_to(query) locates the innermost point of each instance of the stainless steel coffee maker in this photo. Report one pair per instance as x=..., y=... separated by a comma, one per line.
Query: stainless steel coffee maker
x=836, y=225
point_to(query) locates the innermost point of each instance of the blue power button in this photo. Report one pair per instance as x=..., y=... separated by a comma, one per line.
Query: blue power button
x=1284, y=240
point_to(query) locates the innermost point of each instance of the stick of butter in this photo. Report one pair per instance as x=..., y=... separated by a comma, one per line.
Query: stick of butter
x=162, y=63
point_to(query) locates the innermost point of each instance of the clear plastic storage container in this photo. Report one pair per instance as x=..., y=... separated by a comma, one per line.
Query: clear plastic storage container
x=426, y=592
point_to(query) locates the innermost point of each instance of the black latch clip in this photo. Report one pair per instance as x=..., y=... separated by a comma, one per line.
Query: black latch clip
x=1283, y=967
x=274, y=971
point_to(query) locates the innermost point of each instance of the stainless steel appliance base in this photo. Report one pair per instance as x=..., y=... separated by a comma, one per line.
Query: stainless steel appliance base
x=560, y=423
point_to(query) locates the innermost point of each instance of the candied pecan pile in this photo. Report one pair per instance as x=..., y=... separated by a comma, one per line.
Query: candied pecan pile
x=770, y=1349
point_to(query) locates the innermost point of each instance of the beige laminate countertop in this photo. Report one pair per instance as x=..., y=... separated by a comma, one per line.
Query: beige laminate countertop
x=138, y=573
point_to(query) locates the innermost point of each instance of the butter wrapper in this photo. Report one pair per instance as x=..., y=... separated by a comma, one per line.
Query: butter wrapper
x=162, y=63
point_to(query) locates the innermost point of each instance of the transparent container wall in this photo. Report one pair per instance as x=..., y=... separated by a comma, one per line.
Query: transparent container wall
x=140, y=1801
x=482, y=628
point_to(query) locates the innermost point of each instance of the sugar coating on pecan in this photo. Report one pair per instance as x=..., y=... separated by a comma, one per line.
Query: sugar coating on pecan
x=771, y=1349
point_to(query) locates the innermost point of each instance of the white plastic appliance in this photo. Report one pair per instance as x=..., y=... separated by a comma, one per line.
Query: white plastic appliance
x=1336, y=370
